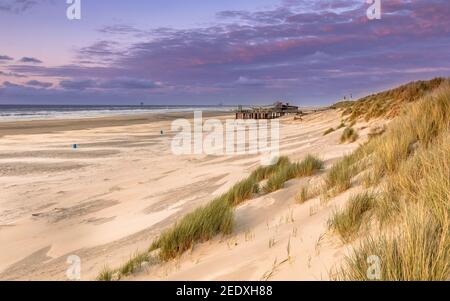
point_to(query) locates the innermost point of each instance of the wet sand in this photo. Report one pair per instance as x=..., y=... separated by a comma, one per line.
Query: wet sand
x=56, y=125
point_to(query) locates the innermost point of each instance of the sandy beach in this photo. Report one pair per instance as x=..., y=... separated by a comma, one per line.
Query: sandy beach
x=251, y=141
x=122, y=186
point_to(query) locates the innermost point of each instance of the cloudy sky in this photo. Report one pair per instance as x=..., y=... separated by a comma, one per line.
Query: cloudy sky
x=216, y=51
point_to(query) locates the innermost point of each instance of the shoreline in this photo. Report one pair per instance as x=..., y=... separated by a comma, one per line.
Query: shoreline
x=47, y=126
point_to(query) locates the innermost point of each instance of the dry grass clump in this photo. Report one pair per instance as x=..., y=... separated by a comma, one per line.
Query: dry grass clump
x=303, y=195
x=106, y=274
x=132, y=265
x=339, y=177
x=348, y=221
x=309, y=191
x=349, y=135
x=370, y=178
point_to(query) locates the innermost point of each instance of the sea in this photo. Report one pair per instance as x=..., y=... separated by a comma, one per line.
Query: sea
x=34, y=112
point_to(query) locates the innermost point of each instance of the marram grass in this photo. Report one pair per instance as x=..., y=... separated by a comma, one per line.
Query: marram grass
x=348, y=221
x=307, y=167
x=412, y=161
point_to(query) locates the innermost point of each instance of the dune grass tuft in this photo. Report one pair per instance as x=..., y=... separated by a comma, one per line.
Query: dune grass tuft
x=264, y=172
x=347, y=222
x=303, y=195
x=200, y=225
x=339, y=177
x=277, y=180
x=308, y=166
x=134, y=263
x=329, y=131
x=349, y=135
x=106, y=274
x=342, y=125
x=242, y=191
x=305, y=168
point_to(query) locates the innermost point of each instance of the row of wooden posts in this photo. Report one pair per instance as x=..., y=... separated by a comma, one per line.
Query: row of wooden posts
x=259, y=115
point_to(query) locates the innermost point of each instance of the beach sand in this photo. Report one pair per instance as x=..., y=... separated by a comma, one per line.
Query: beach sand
x=122, y=186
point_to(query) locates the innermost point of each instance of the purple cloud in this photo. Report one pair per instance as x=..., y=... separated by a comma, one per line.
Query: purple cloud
x=101, y=52
x=36, y=83
x=11, y=74
x=10, y=85
x=5, y=58
x=77, y=84
x=31, y=60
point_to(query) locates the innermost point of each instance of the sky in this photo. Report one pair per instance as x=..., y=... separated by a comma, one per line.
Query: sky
x=166, y=52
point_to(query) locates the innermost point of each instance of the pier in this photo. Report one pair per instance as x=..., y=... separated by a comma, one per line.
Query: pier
x=277, y=110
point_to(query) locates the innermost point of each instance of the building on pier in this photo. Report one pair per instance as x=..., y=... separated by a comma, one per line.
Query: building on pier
x=278, y=109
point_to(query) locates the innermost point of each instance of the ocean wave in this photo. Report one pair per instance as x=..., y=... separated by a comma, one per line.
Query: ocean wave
x=11, y=113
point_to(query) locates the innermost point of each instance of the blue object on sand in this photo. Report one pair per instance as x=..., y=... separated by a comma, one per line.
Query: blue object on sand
x=74, y=146
x=162, y=132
